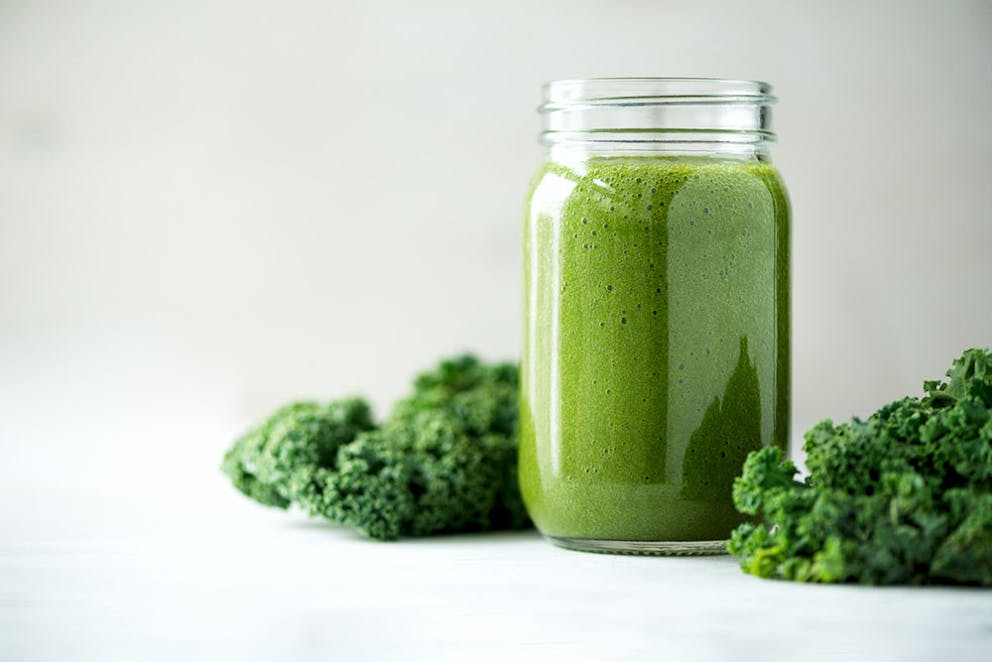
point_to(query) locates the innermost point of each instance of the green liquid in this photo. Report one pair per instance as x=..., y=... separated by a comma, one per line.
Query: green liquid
x=656, y=343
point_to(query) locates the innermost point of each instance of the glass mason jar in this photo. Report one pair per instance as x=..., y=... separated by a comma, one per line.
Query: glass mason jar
x=656, y=323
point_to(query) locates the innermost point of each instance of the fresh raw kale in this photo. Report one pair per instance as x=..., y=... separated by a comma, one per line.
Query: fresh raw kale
x=269, y=460
x=904, y=497
x=444, y=461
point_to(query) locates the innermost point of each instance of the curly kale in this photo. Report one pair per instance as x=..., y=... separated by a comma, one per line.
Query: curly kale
x=269, y=461
x=904, y=497
x=444, y=461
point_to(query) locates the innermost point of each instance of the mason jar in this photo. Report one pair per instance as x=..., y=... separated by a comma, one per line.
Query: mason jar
x=656, y=316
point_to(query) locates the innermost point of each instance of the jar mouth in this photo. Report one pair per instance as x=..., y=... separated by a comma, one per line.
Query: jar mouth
x=639, y=110
x=646, y=90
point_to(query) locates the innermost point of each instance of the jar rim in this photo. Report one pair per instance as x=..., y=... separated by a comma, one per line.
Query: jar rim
x=646, y=90
x=644, y=113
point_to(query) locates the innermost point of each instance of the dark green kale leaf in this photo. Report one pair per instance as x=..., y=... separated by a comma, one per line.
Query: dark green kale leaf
x=266, y=462
x=444, y=461
x=904, y=497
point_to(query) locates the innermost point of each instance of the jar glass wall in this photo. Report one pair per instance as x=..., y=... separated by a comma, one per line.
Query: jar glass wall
x=656, y=322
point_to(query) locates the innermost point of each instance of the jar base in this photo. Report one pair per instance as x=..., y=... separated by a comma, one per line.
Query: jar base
x=643, y=547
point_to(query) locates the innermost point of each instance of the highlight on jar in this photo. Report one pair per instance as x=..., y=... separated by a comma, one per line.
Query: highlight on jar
x=656, y=311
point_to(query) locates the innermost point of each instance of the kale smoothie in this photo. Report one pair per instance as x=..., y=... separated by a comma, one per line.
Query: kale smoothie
x=656, y=342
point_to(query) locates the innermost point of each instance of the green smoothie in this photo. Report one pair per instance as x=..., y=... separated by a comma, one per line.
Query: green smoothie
x=656, y=343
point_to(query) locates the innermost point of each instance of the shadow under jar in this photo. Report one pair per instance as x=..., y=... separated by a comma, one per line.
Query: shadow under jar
x=656, y=314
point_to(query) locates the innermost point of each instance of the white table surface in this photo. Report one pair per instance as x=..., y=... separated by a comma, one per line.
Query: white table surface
x=92, y=579
x=120, y=540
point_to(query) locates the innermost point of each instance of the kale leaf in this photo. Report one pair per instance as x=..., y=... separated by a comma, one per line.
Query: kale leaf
x=444, y=461
x=904, y=497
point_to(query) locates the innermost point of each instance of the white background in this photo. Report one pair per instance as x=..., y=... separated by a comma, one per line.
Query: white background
x=210, y=208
